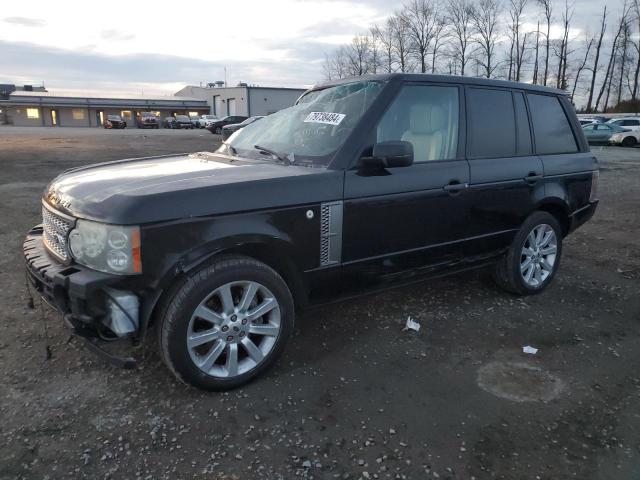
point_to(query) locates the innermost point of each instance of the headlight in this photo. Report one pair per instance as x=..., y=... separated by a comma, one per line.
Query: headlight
x=107, y=248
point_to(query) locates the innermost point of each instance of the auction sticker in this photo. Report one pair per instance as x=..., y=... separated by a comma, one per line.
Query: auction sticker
x=325, y=117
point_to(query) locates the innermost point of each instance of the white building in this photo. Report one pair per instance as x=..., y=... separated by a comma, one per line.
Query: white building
x=243, y=100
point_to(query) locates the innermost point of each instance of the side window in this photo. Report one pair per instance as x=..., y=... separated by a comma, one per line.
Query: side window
x=524, y=146
x=428, y=117
x=550, y=125
x=491, y=129
x=633, y=123
x=589, y=128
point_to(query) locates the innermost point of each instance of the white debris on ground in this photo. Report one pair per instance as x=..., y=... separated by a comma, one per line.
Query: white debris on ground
x=529, y=349
x=411, y=325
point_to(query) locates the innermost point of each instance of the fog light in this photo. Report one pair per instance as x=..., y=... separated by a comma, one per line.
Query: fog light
x=122, y=312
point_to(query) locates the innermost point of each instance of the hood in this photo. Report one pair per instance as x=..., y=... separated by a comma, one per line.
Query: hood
x=146, y=190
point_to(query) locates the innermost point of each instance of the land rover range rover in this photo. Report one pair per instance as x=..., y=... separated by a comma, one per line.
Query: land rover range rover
x=362, y=184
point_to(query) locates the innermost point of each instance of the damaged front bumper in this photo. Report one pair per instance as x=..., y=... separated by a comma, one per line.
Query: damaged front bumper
x=79, y=293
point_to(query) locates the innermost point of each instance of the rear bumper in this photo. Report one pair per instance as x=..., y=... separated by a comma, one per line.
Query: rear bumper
x=582, y=215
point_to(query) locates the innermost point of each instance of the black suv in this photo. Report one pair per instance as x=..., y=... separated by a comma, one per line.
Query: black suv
x=363, y=184
x=216, y=127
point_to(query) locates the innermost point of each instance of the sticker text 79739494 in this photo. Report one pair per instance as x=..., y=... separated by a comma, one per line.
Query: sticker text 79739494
x=325, y=117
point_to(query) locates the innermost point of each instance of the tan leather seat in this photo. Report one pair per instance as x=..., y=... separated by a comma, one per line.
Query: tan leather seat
x=427, y=128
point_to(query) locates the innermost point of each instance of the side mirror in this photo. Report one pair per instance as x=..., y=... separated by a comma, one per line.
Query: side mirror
x=396, y=153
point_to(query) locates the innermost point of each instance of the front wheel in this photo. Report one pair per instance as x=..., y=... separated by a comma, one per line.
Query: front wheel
x=533, y=257
x=628, y=142
x=226, y=324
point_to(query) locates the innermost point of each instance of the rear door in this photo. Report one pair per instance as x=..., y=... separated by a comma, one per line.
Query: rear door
x=505, y=174
x=407, y=219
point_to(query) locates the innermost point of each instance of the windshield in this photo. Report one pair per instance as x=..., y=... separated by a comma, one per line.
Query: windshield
x=113, y=117
x=182, y=118
x=147, y=114
x=311, y=131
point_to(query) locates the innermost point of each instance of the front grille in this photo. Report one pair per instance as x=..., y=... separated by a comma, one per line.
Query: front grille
x=56, y=227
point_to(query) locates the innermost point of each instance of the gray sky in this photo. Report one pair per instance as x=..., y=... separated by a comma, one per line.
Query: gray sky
x=156, y=48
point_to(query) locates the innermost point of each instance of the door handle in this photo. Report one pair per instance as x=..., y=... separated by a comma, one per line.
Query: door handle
x=454, y=186
x=533, y=177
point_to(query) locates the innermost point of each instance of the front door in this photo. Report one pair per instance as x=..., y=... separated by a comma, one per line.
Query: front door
x=407, y=220
x=54, y=117
x=99, y=118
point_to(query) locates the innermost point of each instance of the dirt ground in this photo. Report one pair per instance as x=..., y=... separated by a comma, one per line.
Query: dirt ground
x=354, y=396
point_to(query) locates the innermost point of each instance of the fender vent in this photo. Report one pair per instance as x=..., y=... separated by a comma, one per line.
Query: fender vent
x=330, y=233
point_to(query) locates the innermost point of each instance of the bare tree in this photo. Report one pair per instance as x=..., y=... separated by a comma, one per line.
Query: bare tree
x=594, y=68
x=440, y=36
x=636, y=45
x=548, y=12
x=516, y=8
x=400, y=35
x=606, y=84
x=485, y=16
x=625, y=60
x=459, y=19
x=384, y=35
x=535, y=64
x=420, y=17
x=581, y=67
x=563, y=51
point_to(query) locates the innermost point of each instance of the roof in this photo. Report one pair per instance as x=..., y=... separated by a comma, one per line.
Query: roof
x=70, y=100
x=415, y=77
x=101, y=97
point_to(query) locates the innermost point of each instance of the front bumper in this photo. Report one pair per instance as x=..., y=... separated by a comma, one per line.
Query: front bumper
x=73, y=290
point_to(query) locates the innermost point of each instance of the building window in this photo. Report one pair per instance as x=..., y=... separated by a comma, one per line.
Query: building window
x=193, y=114
x=33, y=113
x=126, y=116
x=78, y=113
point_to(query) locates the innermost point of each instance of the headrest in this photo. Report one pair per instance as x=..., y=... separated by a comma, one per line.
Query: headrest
x=427, y=119
x=419, y=119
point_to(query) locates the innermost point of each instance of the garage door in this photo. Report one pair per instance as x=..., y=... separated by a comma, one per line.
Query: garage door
x=217, y=106
x=231, y=106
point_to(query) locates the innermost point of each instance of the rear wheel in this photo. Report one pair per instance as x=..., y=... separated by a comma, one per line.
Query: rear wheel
x=226, y=324
x=533, y=257
x=628, y=142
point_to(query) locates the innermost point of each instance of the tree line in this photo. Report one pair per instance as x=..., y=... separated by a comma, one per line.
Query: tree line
x=496, y=39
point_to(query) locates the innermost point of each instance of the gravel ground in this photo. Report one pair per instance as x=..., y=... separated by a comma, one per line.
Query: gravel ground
x=354, y=396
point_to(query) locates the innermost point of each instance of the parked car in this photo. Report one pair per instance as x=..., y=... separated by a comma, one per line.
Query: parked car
x=194, y=122
x=147, y=120
x=365, y=183
x=216, y=127
x=228, y=130
x=206, y=119
x=169, y=122
x=630, y=123
x=627, y=138
x=114, y=121
x=601, y=132
x=182, y=121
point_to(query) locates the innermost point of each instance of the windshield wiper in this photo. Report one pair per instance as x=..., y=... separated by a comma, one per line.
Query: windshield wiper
x=277, y=155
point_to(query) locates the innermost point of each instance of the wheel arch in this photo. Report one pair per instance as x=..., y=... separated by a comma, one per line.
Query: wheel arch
x=559, y=209
x=268, y=250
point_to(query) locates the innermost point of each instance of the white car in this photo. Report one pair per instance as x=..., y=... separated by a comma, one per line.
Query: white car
x=629, y=138
x=205, y=120
x=630, y=123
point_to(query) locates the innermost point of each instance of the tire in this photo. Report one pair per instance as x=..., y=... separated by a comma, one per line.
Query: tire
x=509, y=273
x=197, y=308
x=628, y=142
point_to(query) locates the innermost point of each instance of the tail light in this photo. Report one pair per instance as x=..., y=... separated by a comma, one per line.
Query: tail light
x=595, y=177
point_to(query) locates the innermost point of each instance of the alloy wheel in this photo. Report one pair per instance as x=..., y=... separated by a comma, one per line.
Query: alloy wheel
x=233, y=329
x=538, y=256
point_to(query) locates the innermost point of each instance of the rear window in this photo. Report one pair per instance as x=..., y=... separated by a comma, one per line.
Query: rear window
x=551, y=127
x=491, y=123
